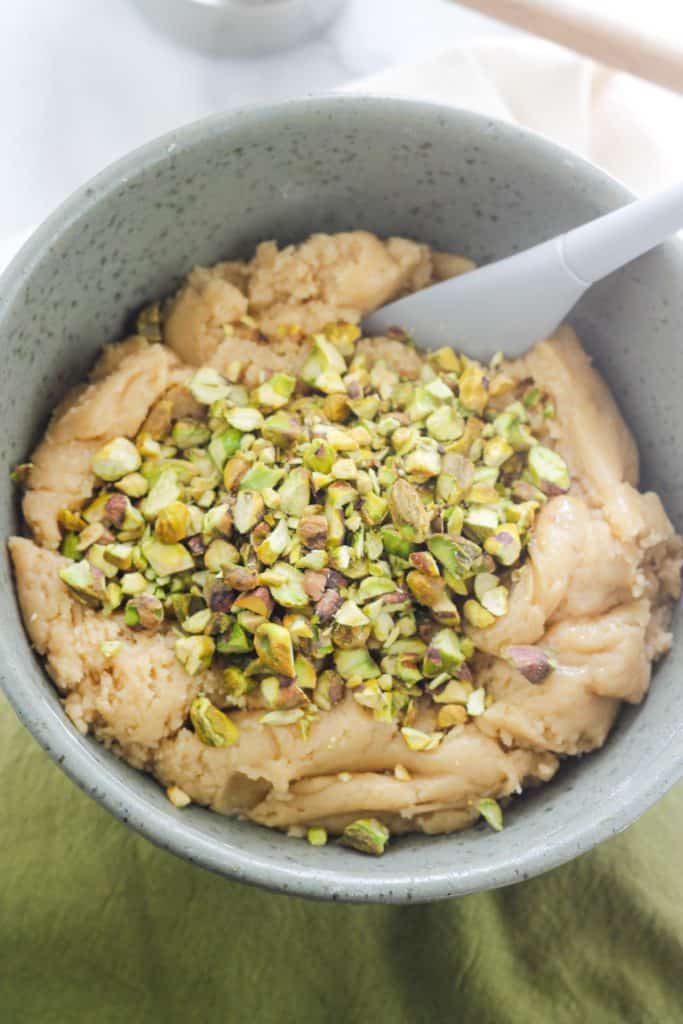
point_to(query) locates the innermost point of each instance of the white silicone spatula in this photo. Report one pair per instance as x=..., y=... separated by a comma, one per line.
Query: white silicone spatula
x=513, y=303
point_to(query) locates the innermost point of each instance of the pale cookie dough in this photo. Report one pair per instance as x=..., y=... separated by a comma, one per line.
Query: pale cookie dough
x=602, y=572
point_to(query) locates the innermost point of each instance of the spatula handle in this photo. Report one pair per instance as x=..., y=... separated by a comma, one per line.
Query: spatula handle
x=603, y=245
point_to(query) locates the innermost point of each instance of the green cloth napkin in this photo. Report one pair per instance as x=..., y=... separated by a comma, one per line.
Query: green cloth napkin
x=97, y=925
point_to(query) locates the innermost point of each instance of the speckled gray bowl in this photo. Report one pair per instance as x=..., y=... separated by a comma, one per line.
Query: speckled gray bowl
x=212, y=190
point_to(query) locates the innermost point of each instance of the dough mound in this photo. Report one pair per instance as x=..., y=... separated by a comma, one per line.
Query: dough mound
x=603, y=570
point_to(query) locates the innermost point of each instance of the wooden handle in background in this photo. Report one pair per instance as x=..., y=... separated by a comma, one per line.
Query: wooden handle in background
x=594, y=35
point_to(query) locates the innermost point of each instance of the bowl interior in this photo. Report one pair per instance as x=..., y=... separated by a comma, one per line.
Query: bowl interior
x=212, y=191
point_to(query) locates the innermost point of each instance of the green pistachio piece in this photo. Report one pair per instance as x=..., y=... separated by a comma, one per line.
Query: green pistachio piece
x=133, y=583
x=454, y=692
x=245, y=419
x=144, y=612
x=288, y=717
x=497, y=451
x=260, y=476
x=248, y=511
x=282, y=429
x=417, y=740
x=424, y=562
x=198, y=622
x=511, y=425
x=491, y=813
x=85, y=581
x=373, y=587
x=313, y=530
x=236, y=641
x=421, y=405
x=408, y=511
x=69, y=546
x=172, y=524
x=281, y=696
x=446, y=359
x=374, y=508
x=495, y=601
x=431, y=592
x=457, y=554
x=548, y=470
x=223, y=445
x=324, y=367
x=116, y=459
x=217, y=521
x=349, y=614
x=207, y=386
x=423, y=462
x=190, y=434
x=194, y=653
x=336, y=528
x=477, y=615
x=445, y=424
x=367, y=835
x=133, y=484
x=120, y=555
x=343, y=335
x=341, y=493
x=152, y=469
x=481, y=521
x=404, y=439
x=438, y=388
x=505, y=544
x=258, y=602
x=394, y=543
x=220, y=555
x=295, y=492
x=356, y=663
x=319, y=456
x=273, y=645
x=212, y=726
x=167, y=559
x=236, y=682
x=163, y=492
x=532, y=662
x=270, y=549
x=286, y=585
x=472, y=387
x=275, y=392
x=317, y=836
x=329, y=690
x=444, y=653
x=95, y=556
x=305, y=673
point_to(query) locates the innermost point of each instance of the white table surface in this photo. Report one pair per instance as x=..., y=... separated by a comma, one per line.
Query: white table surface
x=84, y=81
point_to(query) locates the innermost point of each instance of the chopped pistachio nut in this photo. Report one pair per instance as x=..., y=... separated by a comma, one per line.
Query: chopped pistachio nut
x=548, y=470
x=532, y=662
x=207, y=386
x=367, y=835
x=317, y=836
x=342, y=528
x=417, y=740
x=212, y=726
x=273, y=645
x=116, y=459
x=491, y=813
x=194, y=653
x=178, y=797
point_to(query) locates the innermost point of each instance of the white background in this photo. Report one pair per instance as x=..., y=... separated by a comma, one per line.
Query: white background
x=83, y=81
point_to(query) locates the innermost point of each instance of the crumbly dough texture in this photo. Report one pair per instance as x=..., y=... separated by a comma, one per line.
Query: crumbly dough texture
x=596, y=592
